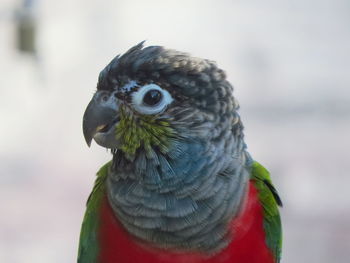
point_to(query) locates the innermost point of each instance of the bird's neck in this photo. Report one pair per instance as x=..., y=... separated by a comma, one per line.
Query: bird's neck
x=183, y=199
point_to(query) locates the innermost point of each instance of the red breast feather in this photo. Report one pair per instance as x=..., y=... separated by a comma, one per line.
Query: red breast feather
x=247, y=246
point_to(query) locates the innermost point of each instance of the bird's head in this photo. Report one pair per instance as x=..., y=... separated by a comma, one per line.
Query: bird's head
x=151, y=98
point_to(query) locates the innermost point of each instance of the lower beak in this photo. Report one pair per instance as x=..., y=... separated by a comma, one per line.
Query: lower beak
x=100, y=112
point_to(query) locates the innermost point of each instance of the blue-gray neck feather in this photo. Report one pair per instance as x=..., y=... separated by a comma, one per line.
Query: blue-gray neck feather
x=186, y=198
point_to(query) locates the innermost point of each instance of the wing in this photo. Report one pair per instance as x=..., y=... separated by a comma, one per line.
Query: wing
x=270, y=201
x=88, y=243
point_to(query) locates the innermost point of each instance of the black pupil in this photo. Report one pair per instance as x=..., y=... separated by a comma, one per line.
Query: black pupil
x=152, y=97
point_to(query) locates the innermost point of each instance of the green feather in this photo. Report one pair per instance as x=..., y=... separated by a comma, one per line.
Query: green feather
x=144, y=131
x=270, y=201
x=88, y=244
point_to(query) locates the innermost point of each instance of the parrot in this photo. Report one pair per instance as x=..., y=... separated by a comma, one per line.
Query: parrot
x=181, y=186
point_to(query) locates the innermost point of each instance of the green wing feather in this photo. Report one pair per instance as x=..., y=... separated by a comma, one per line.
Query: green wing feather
x=88, y=243
x=270, y=201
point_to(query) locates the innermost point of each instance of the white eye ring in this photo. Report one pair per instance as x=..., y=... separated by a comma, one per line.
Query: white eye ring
x=141, y=107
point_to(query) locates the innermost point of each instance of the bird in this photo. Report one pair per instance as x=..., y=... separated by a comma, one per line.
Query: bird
x=181, y=186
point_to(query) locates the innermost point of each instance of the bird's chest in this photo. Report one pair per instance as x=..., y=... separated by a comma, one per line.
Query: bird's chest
x=247, y=244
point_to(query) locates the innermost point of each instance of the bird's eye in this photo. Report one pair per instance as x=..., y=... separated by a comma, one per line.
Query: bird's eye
x=151, y=99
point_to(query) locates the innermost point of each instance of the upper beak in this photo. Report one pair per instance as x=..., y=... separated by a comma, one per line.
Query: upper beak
x=101, y=111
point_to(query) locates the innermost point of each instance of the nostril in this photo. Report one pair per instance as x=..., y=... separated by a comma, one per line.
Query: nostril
x=103, y=96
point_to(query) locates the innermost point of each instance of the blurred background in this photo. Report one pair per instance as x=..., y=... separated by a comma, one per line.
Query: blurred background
x=288, y=60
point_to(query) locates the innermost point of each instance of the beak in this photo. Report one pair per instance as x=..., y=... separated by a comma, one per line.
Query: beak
x=101, y=112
